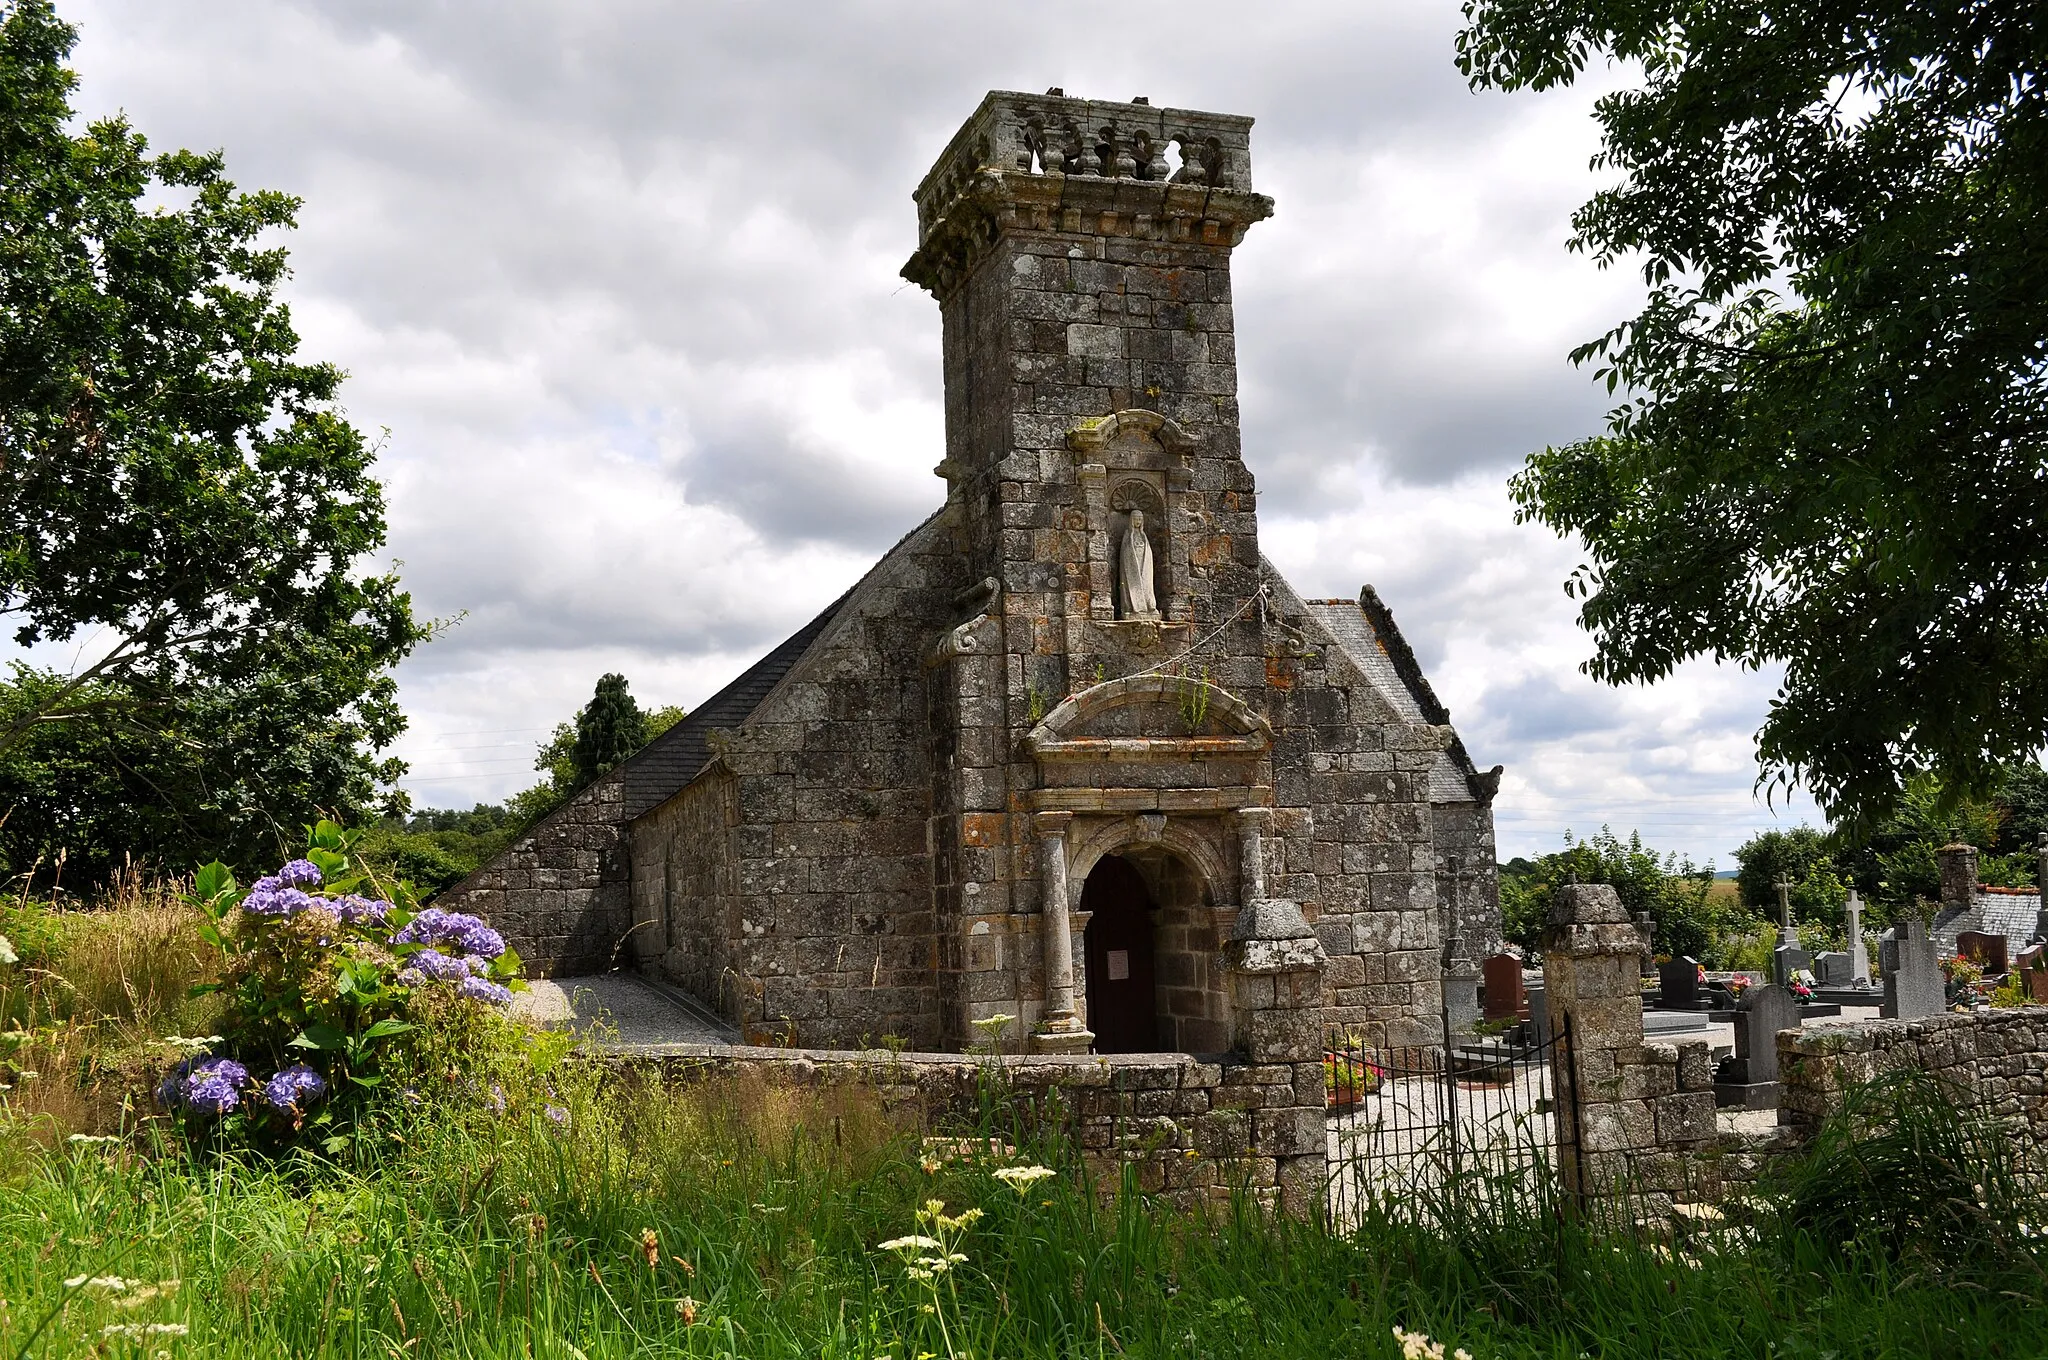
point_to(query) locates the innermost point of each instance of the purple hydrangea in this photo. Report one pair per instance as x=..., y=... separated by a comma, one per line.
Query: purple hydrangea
x=467, y=933
x=479, y=989
x=439, y=967
x=353, y=909
x=295, y=1087
x=170, y=1092
x=300, y=873
x=204, y=1085
x=272, y=896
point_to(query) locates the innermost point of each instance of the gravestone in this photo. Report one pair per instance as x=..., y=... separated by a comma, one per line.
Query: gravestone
x=1678, y=984
x=1501, y=987
x=1834, y=969
x=1985, y=950
x=1859, y=953
x=1750, y=1078
x=1912, y=978
x=1539, y=1012
x=1786, y=960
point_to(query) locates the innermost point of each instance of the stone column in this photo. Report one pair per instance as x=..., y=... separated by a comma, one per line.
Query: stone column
x=1619, y=1102
x=1251, y=854
x=1958, y=861
x=1059, y=1028
x=1275, y=966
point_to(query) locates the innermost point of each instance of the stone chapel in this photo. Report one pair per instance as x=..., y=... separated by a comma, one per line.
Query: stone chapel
x=1073, y=736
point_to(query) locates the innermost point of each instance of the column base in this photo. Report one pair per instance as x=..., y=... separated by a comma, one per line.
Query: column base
x=1056, y=1039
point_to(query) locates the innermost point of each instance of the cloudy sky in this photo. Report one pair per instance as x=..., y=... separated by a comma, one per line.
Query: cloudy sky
x=620, y=279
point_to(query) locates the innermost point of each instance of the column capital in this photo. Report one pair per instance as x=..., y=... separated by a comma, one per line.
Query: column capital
x=1254, y=819
x=1050, y=824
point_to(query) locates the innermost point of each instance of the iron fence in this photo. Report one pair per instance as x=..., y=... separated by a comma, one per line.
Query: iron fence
x=1415, y=1133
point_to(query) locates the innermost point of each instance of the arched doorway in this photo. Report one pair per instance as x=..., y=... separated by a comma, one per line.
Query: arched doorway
x=1117, y=954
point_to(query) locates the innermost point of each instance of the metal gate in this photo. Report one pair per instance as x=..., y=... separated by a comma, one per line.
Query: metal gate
x=1418, y=1133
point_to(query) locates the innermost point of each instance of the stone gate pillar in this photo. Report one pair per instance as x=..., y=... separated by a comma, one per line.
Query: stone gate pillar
x=1624, y=1109
x=1275, y=964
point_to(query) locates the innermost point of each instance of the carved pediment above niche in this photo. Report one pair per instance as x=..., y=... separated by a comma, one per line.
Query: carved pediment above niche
x=1151, y=717
x=1132, y=439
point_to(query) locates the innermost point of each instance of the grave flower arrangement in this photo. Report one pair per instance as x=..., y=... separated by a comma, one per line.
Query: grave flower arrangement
x=327, y=975
x=1349, y=1076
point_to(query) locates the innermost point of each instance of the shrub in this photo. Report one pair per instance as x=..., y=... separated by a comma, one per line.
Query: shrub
x=330, y=982
x=1904, y=1171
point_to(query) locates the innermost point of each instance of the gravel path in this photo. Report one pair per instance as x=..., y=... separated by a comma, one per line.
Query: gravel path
x=636, y=1011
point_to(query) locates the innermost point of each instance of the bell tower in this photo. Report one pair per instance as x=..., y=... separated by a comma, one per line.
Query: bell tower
x=1106, y=695
x=1080, y=253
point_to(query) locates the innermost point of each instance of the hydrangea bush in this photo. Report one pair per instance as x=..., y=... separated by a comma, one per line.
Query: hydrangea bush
x=330, y=982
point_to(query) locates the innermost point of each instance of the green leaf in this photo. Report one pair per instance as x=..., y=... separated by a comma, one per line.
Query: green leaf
x=384, y=1029
x=326, y=1038
x=366, y=1079
x=330, y=863
x=199, y=989
x=210, y=933
x=212, y=881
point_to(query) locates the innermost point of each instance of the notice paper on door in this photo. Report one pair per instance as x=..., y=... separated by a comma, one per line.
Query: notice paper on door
x=1119, y=965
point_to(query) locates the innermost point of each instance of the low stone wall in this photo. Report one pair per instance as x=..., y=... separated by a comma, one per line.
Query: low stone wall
x=1194, y=1129
x=1997, y=1059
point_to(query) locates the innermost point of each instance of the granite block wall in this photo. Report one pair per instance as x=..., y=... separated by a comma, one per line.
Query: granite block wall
x=561, y=894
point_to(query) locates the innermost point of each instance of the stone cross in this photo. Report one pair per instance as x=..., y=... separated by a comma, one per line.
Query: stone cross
x=1787, y=934
x=1859, y=953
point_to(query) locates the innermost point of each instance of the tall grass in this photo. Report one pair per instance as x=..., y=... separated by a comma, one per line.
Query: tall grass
x=463, y=1232
x=570, y=1211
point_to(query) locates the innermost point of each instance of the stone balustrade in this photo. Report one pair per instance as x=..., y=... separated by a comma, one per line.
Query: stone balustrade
x=1050, y=134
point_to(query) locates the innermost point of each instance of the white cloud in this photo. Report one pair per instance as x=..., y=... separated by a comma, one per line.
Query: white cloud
x=621, y=281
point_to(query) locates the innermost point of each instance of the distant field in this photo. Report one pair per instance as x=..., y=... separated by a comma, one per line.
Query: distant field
x=1724, y=892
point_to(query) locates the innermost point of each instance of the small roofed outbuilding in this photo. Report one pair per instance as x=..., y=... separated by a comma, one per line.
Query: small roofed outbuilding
x=998, y=778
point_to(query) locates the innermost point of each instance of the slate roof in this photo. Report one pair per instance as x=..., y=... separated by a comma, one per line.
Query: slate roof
x=1366, y=630
x=654, y=773
x=2013, y=915
x=660, y=769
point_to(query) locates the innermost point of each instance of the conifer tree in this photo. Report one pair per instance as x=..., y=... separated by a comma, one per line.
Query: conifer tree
x=610, y=728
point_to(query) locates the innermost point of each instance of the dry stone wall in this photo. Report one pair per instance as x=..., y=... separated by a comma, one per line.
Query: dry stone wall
x=1996, y=1060
x=1193, y=1130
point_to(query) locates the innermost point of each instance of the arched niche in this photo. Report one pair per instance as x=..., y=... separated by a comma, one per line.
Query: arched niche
x=1128, y=460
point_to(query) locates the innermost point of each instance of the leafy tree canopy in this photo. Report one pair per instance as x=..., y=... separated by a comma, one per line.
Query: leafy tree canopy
x=1830, y=452
x=177, y=488
x=1671, y=888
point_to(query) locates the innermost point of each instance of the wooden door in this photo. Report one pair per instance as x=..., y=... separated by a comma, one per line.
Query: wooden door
x=1118, y=950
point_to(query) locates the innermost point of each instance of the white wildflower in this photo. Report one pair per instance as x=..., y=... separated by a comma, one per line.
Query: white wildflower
x=138, y=1330
x=913, y=1242
x=1418, y=1346
x=1018, y=1177
x=101, y=1284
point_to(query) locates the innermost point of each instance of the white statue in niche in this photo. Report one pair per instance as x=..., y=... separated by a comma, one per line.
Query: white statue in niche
x=1134, y=572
